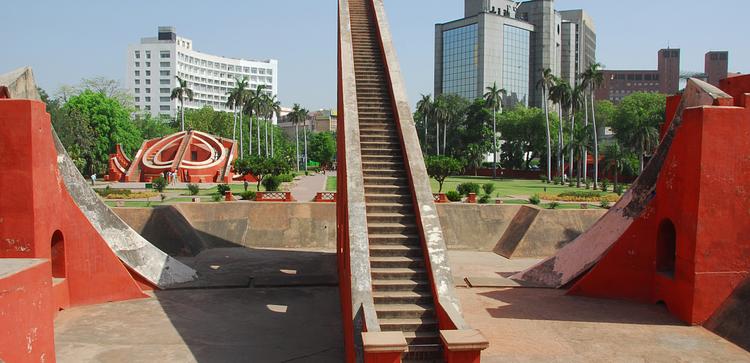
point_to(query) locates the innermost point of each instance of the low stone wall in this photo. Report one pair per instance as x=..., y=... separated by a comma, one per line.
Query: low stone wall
x=188, y=228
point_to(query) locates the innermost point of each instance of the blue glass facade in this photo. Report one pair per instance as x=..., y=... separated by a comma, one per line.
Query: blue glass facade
x=460, y=61
x=516, y=54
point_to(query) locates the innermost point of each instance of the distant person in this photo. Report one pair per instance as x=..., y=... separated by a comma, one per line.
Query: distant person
x=93, y=179
x=246, y=184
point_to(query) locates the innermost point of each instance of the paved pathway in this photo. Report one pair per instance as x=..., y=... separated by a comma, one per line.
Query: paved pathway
x=305, y=188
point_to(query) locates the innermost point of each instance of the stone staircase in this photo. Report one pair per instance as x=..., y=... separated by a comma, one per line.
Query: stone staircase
x=401, y=286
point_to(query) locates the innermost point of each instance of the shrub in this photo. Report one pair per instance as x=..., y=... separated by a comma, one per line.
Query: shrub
x=553, y=205
x=571, y=184
x=441, y=167
x=485, y=199
x=542, y=178
x=580, y=196
x=271, y=183
x=604, y=185
x=159, y=183
x=558, y=180
x=466, y=188
x=286, y=178
x=223, y=188
x=247, y=195
x=535, y=200
x=488, y=188
x=163, y=196
x=193, y=189
x=216, y=197
x=604, y=203
x=453, y=196
x=618, y=189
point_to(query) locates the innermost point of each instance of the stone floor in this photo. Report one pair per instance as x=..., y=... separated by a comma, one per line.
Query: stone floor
x=297, y=323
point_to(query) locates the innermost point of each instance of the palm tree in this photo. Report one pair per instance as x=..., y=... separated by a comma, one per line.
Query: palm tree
x=580, y=142
x=254, y=105
x=236, y=100
x=297, y=115
x=493, y=99
x=545, y=83
x=425, y=107
x=181, y=92
x=576, y=101
x=273, y=107
x=595, y=79
x=440, y=113
x=615, y=159
x=642, y=137
x=560, y=94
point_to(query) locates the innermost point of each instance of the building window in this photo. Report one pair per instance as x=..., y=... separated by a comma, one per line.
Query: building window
x=137, y=54
x=148, y=108
x=164, y=90
x=164, y=81
x=137, y=81
x=137, y=64
x=148, y=64
x=148, y=54
x=164, y=54
x=137, y=73
x=460, y=63
x=137, y=99
x=164, y=108
x=137, y=90
x=262, y=71
x=148, y=81
x=148, y=99
x=164, y=99
x=148, y=73
x=516, y=53
x=164, y=64
x=164, y=73
x=148, y=90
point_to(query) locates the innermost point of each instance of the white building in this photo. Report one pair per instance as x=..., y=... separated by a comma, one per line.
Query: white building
x=154, y=63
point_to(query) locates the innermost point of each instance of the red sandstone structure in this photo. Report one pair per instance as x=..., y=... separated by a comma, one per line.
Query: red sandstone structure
x=195, y=157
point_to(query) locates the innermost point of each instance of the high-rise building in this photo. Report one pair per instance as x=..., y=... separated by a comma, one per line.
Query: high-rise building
x=716, y=66
x=510, y=43
x=669, y=71
x=155, y=61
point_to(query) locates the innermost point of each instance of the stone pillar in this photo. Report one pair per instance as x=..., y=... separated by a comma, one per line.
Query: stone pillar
x=383, y=347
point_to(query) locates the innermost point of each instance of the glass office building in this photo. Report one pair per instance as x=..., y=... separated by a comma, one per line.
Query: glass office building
x=460, y=61
x=516, y=47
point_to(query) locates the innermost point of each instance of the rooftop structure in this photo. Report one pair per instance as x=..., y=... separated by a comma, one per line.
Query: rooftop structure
x=155, y=61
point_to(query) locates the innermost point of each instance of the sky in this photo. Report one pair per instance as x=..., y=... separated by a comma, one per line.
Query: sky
x=65, y=41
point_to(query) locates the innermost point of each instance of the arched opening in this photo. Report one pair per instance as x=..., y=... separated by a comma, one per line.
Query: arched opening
x=57, y=255
x=666, y=248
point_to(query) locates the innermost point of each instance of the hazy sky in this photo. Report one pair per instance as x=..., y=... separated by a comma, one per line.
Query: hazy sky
x=65, y=41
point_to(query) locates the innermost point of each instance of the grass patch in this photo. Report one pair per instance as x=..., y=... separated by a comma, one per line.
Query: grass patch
x=331, y=184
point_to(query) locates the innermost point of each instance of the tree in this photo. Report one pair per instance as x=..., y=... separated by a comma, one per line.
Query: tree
x=425, y=108
x=261, y=167
x=298, y=115
x=615, y=159
x=493, y=99
x=560, y=94
x=181, y=92
x=323, y=148
x=545, y=83
x=580, y=143
x=594, y=78
x=109, y=87
x=273, y=107
x=637, y=122
x=441, y=167
x=255, y=105
x=104, y=122
x=207, y=120
x=576, y=102
x=236, y=101
x=151, y=127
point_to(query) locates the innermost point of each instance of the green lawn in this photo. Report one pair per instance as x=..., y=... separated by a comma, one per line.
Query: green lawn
x=505, y=187
x=331, y=184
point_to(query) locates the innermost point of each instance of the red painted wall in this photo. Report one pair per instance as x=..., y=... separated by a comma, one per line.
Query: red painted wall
x=26, y=333
x=702, y=190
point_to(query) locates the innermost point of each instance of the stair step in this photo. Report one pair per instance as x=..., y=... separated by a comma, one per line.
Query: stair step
x=398, y=273
x=391, y=228
x=400, y=285
x=422, y=337
x=395, y=251
x=390, y=217
x=396, y=262
x=404, y=311
x=377, y=180
x=425, y=324
x=389, y=208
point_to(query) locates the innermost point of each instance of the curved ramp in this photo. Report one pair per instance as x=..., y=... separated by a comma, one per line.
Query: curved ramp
x=138, y=254
x=133, y=250
x=584, y=252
